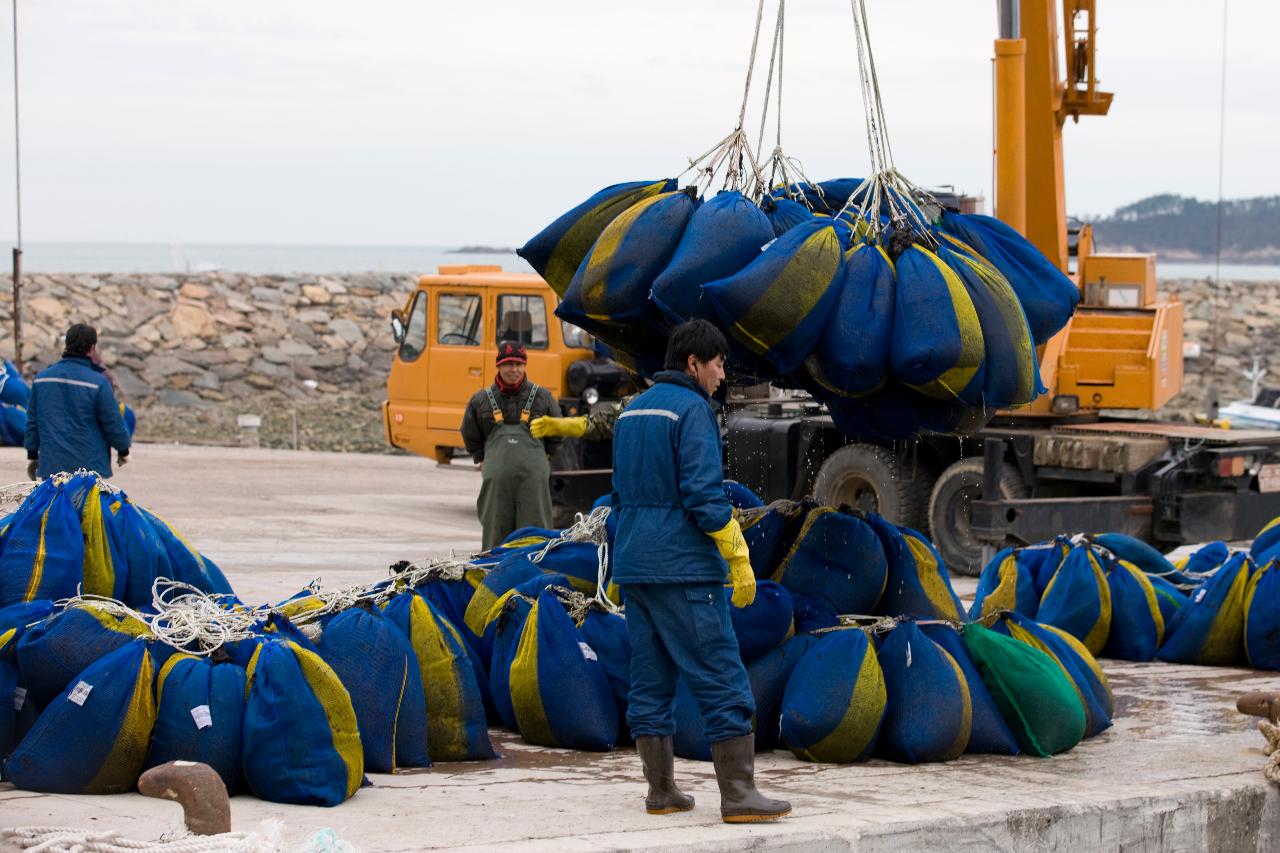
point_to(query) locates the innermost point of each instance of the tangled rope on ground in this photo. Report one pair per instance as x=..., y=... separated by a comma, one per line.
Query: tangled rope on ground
x=1271, y=731
x=55, y=839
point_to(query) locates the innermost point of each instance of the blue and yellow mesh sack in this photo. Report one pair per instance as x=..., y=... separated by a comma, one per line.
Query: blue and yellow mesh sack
x=1170, y=598
x=51, y=654
x=1043, y=560
x=1262, y=618
x=186, y=563
x=105, y=570
x=1034, y=695
x=1135, y=551
x=928, y=714
x=1209, y=629
x=1011, y=369
x=14, y=391
x=785, y=214
x=777, y=306
x=1266, y=545
x=606, y=634
x=1188, y=569
x=1137, y=625
x=301, y=742
x=14, y=622
x=1078, y=599
x=452, y=597
x=835, y=561
x=456, y=722
x=824, y=197
x=1047, y=296
x=578, y=561
x=43, y=554
x=200, y=716
x=812, y=615
x=989, y=734
x=1005, y=584
x=740, y=496
x=894, y=412
x=764, y=534
x=764, y=624
x=557, y=251
x=559, y=690
x=503, y=578
x=1077, y=664
x=918, y=584
x=835, y=700
x=141, y=548
x=768, y=678
x=92, y=738
x=724, y=235
x=8, y=713
x=610, y=291
x=938, y=346
x=378, y=668
x=13, y=425
x=504, y=631
x=852, y=356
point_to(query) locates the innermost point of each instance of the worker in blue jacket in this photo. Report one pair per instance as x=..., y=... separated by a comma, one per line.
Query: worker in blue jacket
x=676, y=542
x=73, y=420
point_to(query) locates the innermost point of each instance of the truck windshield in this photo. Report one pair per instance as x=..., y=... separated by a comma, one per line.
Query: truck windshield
x=575, y=337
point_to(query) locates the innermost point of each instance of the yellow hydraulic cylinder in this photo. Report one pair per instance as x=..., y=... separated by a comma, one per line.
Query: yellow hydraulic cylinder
x=1011, y=136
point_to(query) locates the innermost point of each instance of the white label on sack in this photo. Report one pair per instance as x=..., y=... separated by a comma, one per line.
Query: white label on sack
x=19, y=698
x=80, y=692
x=202, y=716
x=1200, y=594
x=587, y=652
x=908, y=655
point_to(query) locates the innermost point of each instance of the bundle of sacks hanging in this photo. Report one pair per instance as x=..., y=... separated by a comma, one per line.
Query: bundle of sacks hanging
x=15, y=396
x=1123, y=599
x=78, y=533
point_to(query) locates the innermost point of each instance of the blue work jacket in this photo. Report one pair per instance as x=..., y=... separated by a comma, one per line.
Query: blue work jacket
x=73, y=419
x=668, y=486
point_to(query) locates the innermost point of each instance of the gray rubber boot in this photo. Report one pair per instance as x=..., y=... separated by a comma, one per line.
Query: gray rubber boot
x=659, y=761
x=740, y=802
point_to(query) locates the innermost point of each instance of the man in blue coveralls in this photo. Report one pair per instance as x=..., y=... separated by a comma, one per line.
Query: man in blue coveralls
x=676, y=532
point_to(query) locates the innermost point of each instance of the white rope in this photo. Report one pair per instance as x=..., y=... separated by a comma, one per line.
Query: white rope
x=1271, y=731
x=751, y=64
x=198, y=623
x=54, y=839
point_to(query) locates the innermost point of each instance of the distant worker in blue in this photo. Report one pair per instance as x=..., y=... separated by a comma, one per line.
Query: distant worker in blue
x=676, y=533
x=73, y=420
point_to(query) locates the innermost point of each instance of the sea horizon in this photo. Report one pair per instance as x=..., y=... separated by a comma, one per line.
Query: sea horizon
x=78, y=257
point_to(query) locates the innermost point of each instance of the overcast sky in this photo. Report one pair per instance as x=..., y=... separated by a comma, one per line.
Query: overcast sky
x=412, y=122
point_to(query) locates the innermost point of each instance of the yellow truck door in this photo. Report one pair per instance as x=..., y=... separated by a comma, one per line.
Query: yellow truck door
x=458, y=362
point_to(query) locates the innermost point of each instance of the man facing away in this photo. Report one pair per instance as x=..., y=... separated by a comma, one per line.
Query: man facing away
x=515, y=486
x=73, y=420
x=676, y=531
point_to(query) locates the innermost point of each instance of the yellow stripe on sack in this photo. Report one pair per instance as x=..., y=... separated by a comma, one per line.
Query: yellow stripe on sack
x=1226, y=634
x=7, y=637
x=1247, y=606
x=37, y=565
x=861, y=720
x=341, y=717
x=522, y=542
x=295, y=607
x=1149, y=594
x=251, y=669
x=961, y=743
x=1096, y=639
x=526, y=693
x=119, y=772
x=478, y=609
x=174, y=659
x=1005, y=595
x=126, y=624
x=795, y=292
x=575, y=243
x=496, y=610
x=1015, y=320
x=595, y=278
x=931, y=580
x=99, y=573
x=972, y=347
x=446, y=737
x=1085, y=655
x=1270, y=524
x=957, y=243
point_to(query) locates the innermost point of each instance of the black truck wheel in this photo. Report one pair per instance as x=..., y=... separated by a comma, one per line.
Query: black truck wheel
x=871, y=478
x=951, y=512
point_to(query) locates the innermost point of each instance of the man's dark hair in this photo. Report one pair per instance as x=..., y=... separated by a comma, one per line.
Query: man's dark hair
x=696, y=338
x=81, y=338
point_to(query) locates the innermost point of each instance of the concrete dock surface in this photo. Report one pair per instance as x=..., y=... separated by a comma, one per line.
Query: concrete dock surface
x=1179, y=771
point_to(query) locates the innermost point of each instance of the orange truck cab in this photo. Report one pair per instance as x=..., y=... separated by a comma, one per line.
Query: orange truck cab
x=448, y=333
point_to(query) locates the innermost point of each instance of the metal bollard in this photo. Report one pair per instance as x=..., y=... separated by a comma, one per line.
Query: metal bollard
x=197, y=788
x=1260, y=705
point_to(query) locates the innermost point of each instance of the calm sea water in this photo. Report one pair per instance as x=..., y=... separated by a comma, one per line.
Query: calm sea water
x=249, y=258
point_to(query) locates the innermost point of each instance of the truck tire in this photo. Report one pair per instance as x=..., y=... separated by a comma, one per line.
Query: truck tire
x=871, y=478
x=951, y=513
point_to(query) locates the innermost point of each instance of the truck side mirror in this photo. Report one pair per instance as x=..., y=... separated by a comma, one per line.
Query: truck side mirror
x=397, y=326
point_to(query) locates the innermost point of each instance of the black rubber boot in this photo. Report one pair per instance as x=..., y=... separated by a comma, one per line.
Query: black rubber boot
x=740, y=802
x=658, y=758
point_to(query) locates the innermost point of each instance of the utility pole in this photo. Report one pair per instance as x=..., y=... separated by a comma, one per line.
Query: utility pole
x=17, y=169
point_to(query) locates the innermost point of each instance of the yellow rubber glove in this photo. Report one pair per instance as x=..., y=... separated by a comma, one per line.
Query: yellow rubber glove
x=547, y=427
x=733, y=547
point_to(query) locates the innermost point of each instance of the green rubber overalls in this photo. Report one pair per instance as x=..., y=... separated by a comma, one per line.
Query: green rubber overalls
x=515, y=484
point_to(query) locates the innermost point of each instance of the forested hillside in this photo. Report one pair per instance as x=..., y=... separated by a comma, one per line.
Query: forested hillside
x=1187, y=227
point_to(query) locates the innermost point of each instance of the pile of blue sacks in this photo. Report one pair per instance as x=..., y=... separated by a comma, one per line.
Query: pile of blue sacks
x=901, y=333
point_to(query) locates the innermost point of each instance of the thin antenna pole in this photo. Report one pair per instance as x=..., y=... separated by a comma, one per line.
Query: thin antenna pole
x=1222, y=142
x=17, y=169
